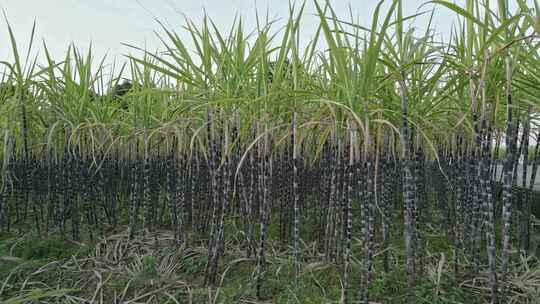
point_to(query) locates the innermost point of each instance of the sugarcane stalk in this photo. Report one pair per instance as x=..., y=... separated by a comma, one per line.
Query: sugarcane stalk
x=507, y=188
x=264, y=178
x=348, y=232
x=408, y=196
x=296, y=199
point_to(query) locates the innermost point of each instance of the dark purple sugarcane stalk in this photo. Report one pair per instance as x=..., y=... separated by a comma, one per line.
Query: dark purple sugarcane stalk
x=134, y=190
x=220, y=238
x=458, y=202
x=507, y=189
x=172, y=190
x=536, y=162
x=474, y=199
x=342, y=203
x=249, y=203
x=192, y=175
x=5, y=185
x=420, y=200
x=181, y=199
x=330, y=219
x=51, y=193
x=86, y=198
x=408, y=196
x=386, y=203
x=348, y=216
x=524, y=236
x=370, y=231
x=324, y=185
x=264, y=206
x=296, y=197
x=75, y=214
x=214, y=178
x=489, y=220
x=147, y=200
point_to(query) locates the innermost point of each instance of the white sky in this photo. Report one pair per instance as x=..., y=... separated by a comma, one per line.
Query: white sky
x=107, y=23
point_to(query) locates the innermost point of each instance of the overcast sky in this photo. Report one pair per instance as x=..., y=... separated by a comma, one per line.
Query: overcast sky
x=108, y=23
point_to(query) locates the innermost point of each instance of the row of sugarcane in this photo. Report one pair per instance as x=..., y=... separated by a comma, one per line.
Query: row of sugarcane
x=382, y=134
x=269, y=178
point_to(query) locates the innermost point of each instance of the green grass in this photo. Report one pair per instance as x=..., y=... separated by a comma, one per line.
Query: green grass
x=318, y=283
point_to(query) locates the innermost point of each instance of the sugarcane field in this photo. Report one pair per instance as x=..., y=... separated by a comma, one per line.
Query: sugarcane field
x=309, y=152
